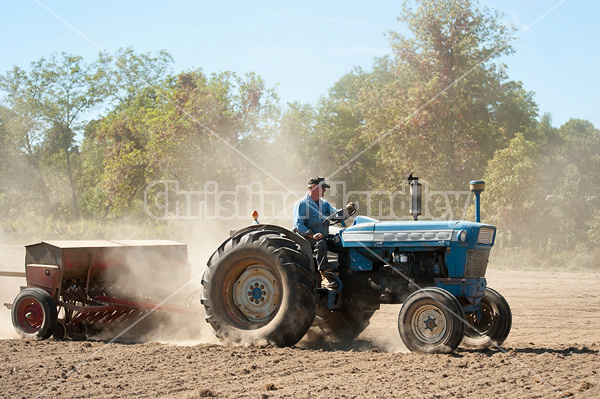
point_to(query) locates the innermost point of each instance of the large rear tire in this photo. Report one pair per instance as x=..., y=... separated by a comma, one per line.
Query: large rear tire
x=493, y=327
x=430, y=321
x=34, y=314
x=359, y=303
x=260, y=287
x=342, y=325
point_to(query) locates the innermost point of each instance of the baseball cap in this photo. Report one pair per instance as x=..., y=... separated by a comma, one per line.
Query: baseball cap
x=320, y=181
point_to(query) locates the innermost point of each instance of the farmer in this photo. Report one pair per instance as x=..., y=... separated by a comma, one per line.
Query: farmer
x=309, y=214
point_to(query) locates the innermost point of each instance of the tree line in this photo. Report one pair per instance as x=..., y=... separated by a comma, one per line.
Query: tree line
x=82, y=140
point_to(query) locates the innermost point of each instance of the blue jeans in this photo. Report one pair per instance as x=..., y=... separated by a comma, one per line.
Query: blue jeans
x=320, y=248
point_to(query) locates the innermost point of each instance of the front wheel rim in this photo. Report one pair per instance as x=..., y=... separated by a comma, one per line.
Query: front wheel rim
x=429, y=324
x=256, y=293
x=481, y=327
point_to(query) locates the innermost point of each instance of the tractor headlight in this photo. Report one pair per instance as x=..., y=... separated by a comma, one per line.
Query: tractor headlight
x=462, y=236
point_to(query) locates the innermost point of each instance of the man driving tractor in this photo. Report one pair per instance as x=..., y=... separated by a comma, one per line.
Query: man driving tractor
x=310, y=221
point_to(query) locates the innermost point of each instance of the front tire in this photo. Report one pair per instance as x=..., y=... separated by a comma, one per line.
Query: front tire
x=493, y=327
x=430, y=321
x=260, y=287
x=34, y=314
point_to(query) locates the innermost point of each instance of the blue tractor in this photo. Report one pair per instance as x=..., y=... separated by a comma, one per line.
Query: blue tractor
x=261, y=284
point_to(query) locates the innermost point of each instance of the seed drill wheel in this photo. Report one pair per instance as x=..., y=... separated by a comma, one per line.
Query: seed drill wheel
x=34, y=314
x=61, y=331
x=492, y=328
x=78, y=332
x=259, y=287
x=430, y=321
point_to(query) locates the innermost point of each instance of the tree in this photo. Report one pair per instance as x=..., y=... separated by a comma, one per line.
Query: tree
x=126, y=73
x=544, y=194
x=440, y=106
x=6, y=159
x=322, y=137
x=114, y=161
x=575, y=180
x=190, y=127
x=514, y=191
x=24, y=133
x=48, y=103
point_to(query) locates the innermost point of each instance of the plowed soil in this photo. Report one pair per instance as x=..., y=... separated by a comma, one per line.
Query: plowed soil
x=552, y=351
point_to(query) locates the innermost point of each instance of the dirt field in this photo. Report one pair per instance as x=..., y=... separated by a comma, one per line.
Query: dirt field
x=552, y=351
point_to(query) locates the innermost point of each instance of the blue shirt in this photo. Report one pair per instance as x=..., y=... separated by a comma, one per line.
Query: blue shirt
x=309, y=217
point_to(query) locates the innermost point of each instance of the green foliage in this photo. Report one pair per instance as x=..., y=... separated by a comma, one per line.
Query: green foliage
x=322, y=138
x=512, y=189
x=573, y=181
x=46, y=104
x=545, y=195
x=126, y=73
x=594, y=227
x=192, y=128
x=444, y=107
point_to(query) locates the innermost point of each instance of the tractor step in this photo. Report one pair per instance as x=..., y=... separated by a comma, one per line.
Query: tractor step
x=334, y=297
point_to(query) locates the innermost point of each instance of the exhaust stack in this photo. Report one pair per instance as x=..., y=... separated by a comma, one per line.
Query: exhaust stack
x=477, y=186
x=415, y=196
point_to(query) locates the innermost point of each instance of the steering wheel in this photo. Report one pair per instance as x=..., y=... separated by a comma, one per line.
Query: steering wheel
x=338, y=217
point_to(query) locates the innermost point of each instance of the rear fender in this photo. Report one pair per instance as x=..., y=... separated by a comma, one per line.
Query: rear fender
x=301, y=241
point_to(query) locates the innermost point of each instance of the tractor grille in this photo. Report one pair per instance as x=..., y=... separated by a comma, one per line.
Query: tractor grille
x=477, y=261
x=486, y=236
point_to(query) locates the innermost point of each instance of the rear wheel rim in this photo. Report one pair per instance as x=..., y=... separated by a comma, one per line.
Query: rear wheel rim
x=30, y=315
x=257, y=293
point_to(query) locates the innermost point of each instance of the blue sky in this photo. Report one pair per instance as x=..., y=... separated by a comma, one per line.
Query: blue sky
x=305, y=47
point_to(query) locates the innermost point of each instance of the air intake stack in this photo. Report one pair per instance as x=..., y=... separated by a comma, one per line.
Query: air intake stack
x=477, y=186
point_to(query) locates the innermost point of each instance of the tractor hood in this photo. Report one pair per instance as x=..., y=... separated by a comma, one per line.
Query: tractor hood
x=370, y=232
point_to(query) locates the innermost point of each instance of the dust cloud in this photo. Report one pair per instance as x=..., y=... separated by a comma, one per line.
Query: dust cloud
x=382, y=334
x=147, y=275
x=7, y=288
x=170, y=276
x=12, y=258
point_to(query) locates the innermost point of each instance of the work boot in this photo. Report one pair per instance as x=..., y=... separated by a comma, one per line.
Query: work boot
x=329, y=279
